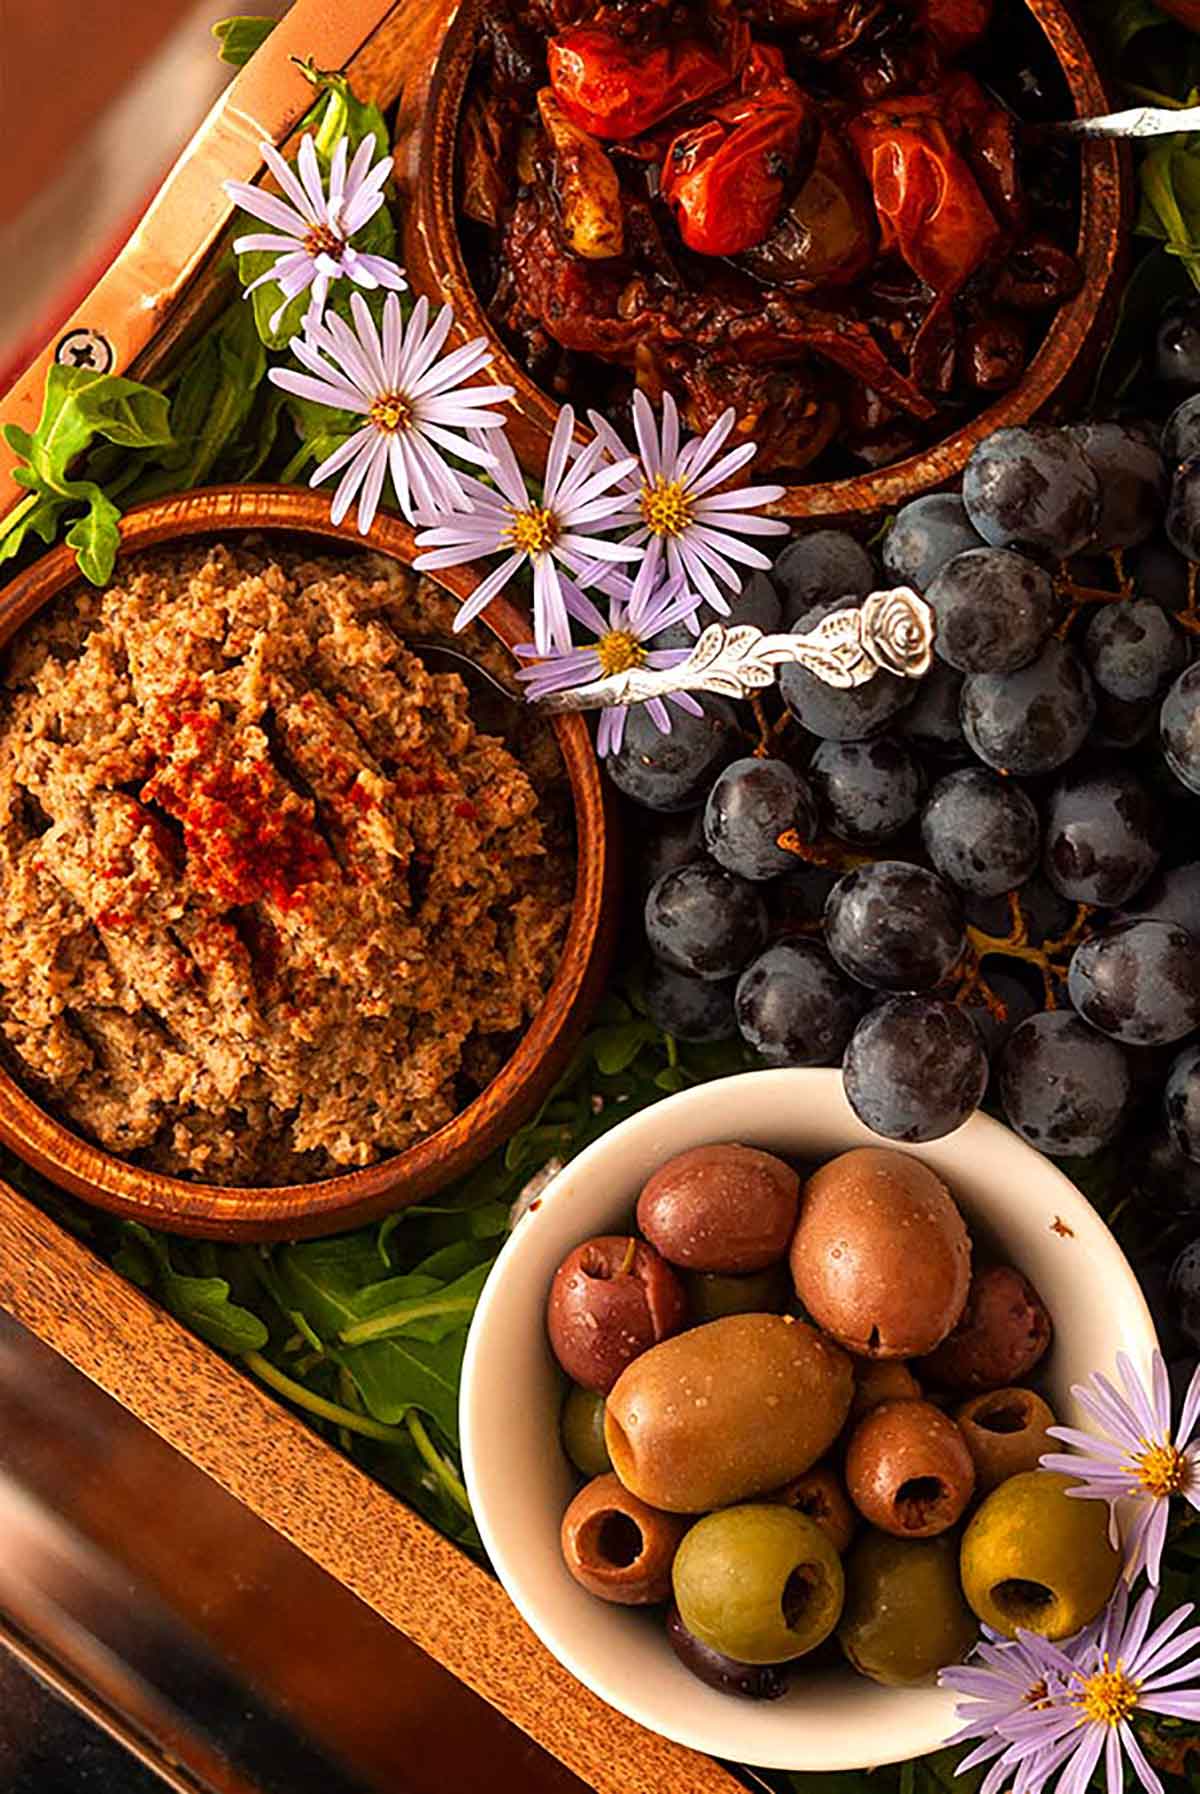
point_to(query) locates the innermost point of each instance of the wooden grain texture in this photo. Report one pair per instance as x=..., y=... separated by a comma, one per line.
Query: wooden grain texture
x=319, y=1501
x=300, y=1211
x=426, y=162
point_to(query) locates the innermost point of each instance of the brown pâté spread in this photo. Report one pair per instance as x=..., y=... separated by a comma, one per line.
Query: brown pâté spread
x=271, y=905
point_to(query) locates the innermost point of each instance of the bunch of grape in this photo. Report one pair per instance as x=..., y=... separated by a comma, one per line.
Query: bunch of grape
x=987, y=878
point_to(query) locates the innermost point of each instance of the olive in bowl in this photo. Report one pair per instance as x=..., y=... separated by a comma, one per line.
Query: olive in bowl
x=521, y=1481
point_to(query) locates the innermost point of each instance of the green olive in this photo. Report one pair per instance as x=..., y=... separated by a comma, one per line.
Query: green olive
x=904, y=1615
x=760, y=1584
x=1033, y=1558
x=583, y=1431
x=713, y=1294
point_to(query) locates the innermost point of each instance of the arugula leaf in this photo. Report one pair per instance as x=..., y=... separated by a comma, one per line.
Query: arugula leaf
x=1170, y=199
x=430, y=1314
x=394, y=1375
x=238, y=38
x=201, y=1303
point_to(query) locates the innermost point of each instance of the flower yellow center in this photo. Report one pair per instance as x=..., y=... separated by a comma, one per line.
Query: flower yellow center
x=320, y=240
x=534, y=531
x=666, y=508
x=618, y=651
x=391, y=412
x=1161, y=1469
x=1108, y=1696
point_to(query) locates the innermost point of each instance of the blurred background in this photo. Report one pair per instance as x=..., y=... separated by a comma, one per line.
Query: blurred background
x=98, y=97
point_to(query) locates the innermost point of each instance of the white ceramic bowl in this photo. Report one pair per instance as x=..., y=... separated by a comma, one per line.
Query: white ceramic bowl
x=520, y=1480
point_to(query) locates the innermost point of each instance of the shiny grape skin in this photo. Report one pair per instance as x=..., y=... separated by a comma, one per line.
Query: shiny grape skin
x=1181, y=432
x=927, y=533
x=1179, y=728
x=931, y=722
x=674, y=840
x=691, y=1009
x=1133, y=650
x=794, y=1007
x=867, y=790
x=1138, y=981
x=1034, y=720
x=1132, y=479
x=705, y=921
x=1173, y=896
x=673, y=772
x=1183, y=1290
x=1182, y=522
x=852, y=715
x=994, y=610
x=981, y=832
x=822, y=569
x=1064, y=1087
x=1030, y=486
x=752, y=804
x=1102, y=834
x=1177, y=344
x=894, y=926
x=1159, y=572
x=915, y=1068
x=1181, y=1102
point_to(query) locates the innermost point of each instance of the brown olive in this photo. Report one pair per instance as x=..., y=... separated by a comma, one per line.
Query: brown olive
x=908, y=1470
x=1006, y=1433
x=617, y=1547
x=1004, y=1330
x=819, y=1494
x=720, y=1208
x=881, y=1380
x=726, y=1412
x=881, y=1258
x=611, y=1299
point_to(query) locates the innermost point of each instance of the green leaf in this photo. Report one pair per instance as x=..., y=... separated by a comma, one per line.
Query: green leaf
x=1120, y=21
x=1170, y=199
x=430, y=1314
x=238, y=38
x=97, y=535
x=616, y=1048
x=201, y=1303
x=394, y=1375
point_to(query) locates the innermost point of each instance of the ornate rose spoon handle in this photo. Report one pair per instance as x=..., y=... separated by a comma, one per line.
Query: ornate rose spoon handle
x=890, y=632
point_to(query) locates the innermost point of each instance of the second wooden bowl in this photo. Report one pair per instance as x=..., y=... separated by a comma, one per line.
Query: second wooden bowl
x=297, y=1211
x=426, y=153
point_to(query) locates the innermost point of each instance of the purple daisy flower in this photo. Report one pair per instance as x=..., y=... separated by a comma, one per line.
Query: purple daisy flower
x=689, y=527
x=622, y=641
x=1134, y=1457
x=311, y=229
x=1002, y=1679
x=564, y=528
x=1113, y=1671
x=417, y=407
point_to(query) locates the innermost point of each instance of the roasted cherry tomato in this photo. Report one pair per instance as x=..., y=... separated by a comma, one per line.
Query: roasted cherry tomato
x=955, y=24
x=618, y=90
x=930, y=207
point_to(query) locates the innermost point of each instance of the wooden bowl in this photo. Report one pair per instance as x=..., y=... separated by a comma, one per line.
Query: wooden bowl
x=426, y=142
x=296, y=1211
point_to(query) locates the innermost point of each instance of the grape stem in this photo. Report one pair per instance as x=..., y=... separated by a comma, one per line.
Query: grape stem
x=1048, y=957
x=821, y=852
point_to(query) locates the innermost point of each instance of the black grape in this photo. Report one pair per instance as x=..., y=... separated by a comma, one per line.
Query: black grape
x=931, y=722
x=757, y=603
x=693, y=1009
x=794, y=1007
x=705, y=921
x=915, y=1068
x=1177, y=344
x=1121, y=725
x=981, y=832
x=1064, y=1087
x=850, y=715
x=1018, y=1000
x=1179, y=726
x=1183, y=510
x=994, y=610
x=674, y=840
x=926, y=534
x=1033, y=720
x=1159, y=572
x=1181, y=1100
x=822, y=569
x=751, y=805
x=1133, y=650
x=894, y=926
x=1132, y=479
x=1102, y=835
x=867, y=790
x=797, y=900
x=674, y=772
x=1181, y=432
x=1183, y=1290
x=1031, y=486
x=1173, y=896
x=1138, y=981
